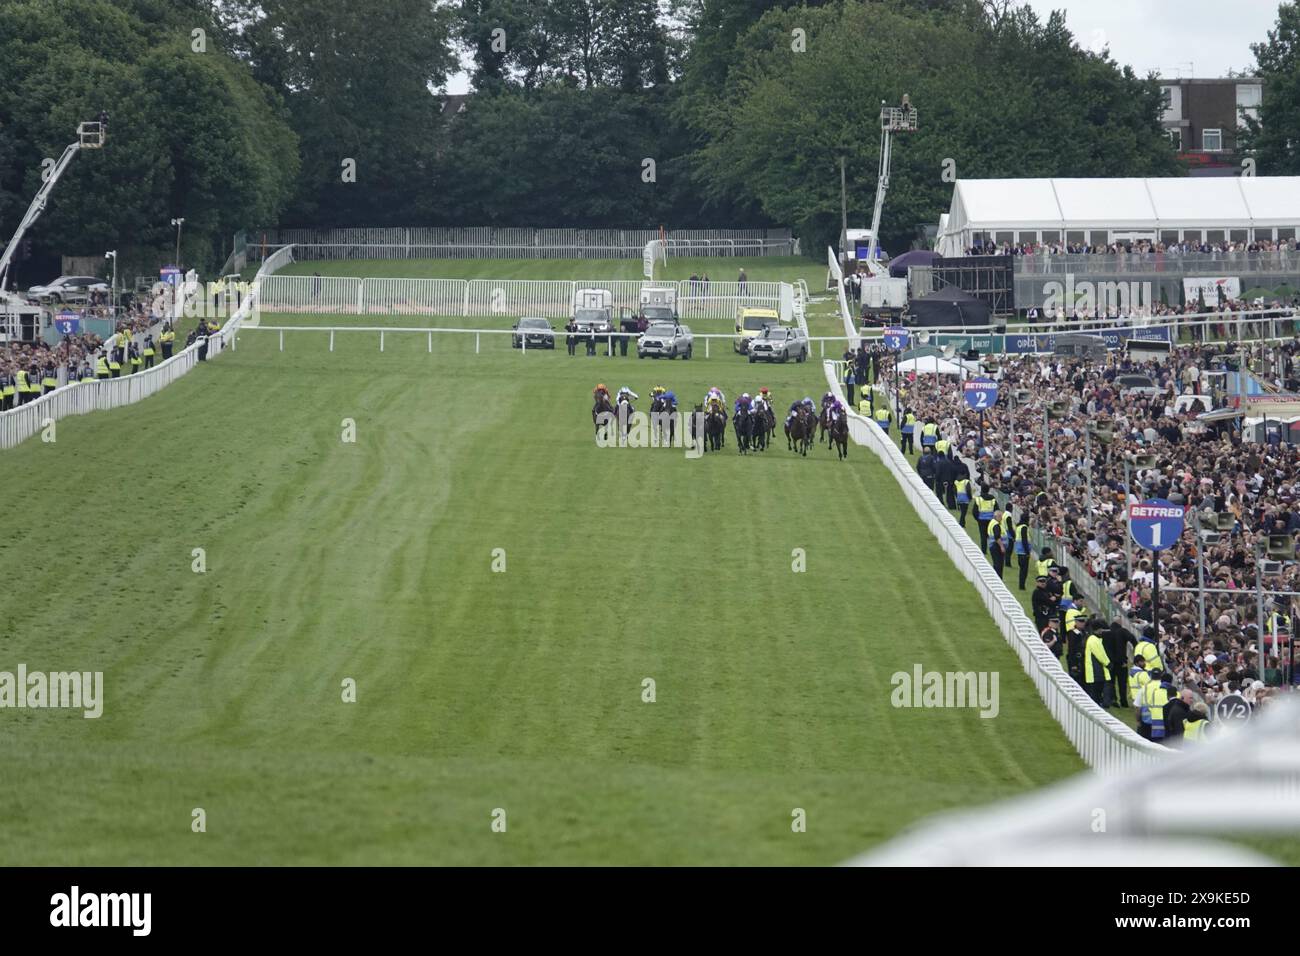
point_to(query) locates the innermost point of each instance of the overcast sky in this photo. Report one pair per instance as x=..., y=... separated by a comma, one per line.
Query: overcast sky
x=1201, y=38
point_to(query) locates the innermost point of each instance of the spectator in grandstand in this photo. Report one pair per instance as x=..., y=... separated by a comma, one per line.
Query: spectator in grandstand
x=1206, y=466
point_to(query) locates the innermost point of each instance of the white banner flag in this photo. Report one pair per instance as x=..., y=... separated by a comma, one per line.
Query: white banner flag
x=1209, y=287
x=652, y=250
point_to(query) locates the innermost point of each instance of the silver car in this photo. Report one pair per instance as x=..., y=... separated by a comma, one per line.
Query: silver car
x=67, y=289
x=667, y=341
x=779, y=344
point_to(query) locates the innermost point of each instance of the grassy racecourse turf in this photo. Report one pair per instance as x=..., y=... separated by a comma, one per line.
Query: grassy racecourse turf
x=476, y=690
x=718, y=269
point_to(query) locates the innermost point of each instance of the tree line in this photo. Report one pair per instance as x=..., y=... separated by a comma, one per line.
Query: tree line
x=594, y=113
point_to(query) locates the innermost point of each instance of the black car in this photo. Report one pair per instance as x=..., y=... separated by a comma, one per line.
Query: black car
x=538, y=333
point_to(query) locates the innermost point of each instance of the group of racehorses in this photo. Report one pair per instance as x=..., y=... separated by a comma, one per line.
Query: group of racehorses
x=754, y=425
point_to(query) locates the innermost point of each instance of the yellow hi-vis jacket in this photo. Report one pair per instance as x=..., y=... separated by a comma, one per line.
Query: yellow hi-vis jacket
x=1095, y=652
x=1137, y=679
x=1150, y=655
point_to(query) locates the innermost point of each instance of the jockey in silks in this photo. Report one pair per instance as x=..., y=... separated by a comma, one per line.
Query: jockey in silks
x=627, y=394
x=837, y=410
x=766, y=396
x=827, y=400
x=600, y=390
x=715, y=400
x=760, y=401
x=670, y=401
x=807, y=402
x=743, y=402
x=656, y=392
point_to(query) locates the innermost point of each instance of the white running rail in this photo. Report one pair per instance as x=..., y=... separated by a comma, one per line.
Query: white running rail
x=19, y=424
x=1103, y=742
x=837, y=273
x=1172, y=809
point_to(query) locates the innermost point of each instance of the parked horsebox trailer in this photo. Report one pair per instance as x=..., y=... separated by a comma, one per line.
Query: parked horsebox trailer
x=593, y=310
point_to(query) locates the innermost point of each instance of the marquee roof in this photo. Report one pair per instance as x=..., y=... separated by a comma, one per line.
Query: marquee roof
x=989, y=205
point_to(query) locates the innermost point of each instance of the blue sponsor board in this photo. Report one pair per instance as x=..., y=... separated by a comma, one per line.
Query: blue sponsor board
x=1155, y=524
x=896, y=338
x=68, y=323
x=1112, y=338
x=980, y=393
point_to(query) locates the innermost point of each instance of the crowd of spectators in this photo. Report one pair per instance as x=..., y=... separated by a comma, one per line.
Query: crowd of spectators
x=1208, y=466
x=74, y=358
x=1217, y=319
x=1141, y=248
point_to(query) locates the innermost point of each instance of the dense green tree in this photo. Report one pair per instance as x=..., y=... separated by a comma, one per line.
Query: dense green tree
x=586, y=43
x=359, y=84
x=562, y=156
x=1014, y=97
x=1275, y=136
x=191, y=132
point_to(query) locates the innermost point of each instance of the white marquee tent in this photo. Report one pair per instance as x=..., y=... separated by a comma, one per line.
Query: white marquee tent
x=1100, y=211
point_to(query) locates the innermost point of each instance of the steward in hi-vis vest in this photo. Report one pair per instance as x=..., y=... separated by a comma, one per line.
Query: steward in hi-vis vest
x=929, y=433
x=1149, y=653
x=908, y=431
x=1023, y=551
x=1138, y=678
x=1155, y=696
x=883, y=417
x=997, y=554
x=1096, y=670
x=985, y=506
x=962, y=488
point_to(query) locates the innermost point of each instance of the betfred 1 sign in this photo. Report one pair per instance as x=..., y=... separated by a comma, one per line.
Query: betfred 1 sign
x=981, y=393
x=1155, y=524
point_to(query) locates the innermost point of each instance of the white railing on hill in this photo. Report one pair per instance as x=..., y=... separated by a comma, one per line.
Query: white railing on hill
x=19, y=424
x=548, y=298
x=1103, y=742
x=493, y=242
x=383, y=333
x=837, y=273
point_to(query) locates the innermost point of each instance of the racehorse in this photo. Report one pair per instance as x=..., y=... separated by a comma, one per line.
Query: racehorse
x=667, y=428
x=764, y=426
x=625, y=415
x=840, y=435
x=715, y=429
x=823, y=423
x=602, y=406
x=799, y=433
x=744, y=421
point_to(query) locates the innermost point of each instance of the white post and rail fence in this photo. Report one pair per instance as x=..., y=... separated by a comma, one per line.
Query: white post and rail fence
x=1103, y=742
x=79, y=398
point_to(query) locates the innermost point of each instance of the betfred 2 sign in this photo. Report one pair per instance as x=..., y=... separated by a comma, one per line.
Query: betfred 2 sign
x=981, y=393
x=1155, y=524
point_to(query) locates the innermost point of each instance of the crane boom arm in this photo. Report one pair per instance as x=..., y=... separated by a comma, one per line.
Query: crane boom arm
x=89, y=136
